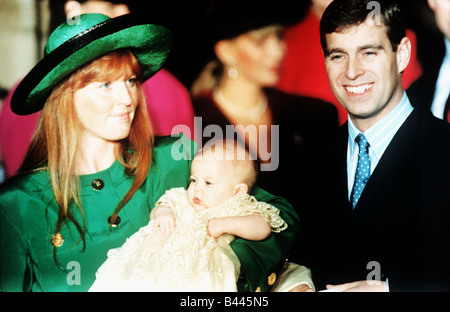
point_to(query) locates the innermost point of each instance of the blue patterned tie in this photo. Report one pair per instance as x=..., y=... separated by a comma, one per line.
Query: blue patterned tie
x=362, y=170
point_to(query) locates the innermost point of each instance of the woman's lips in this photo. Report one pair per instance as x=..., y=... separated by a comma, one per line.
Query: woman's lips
x=124, y=116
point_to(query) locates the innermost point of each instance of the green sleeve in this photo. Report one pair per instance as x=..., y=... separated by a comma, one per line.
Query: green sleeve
x=13, y=255
x=261, y=259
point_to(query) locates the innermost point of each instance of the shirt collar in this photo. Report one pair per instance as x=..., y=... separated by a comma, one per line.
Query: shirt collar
x=380, y=134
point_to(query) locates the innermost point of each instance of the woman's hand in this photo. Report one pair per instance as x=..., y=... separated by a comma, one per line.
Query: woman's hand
x=302, y=288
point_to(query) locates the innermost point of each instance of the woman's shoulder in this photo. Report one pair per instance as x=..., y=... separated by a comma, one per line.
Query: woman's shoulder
x=29, y=182
x=24, y=191
x=173, y=153
x=171, y=163
x=173, y=147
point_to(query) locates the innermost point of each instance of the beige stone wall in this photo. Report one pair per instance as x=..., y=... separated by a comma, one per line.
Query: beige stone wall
x=21, y=22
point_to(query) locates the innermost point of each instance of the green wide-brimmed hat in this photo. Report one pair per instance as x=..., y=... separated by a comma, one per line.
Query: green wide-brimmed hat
x=84, y=39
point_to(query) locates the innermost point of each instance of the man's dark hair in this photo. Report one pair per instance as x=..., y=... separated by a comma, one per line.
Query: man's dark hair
x=343, y=14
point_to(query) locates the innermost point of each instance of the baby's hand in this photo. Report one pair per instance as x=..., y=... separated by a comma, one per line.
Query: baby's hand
x=164, y=219
x=216, y=227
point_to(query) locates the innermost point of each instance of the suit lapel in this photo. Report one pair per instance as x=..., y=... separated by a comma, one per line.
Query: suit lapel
x=339, y=167
x=399, y=163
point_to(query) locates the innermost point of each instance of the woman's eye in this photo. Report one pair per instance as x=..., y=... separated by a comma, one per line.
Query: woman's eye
x=105, y=85
x=132, y=81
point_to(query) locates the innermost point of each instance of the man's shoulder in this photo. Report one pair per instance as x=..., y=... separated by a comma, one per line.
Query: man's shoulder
x=435, y=125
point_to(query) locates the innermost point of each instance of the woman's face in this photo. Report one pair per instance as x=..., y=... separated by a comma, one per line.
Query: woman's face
x=258, y=55
x=105, y=109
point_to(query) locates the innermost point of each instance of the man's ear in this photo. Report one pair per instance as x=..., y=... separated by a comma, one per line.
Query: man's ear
x=403, y=54
x=241, y=188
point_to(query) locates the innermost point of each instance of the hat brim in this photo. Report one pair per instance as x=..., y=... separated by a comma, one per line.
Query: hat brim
x=149, y=43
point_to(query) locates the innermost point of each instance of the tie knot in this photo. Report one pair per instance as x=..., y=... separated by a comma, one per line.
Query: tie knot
x=362, y=142
x=361, y=139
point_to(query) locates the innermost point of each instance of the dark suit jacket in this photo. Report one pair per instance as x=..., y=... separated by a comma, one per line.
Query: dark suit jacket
x=402, y=219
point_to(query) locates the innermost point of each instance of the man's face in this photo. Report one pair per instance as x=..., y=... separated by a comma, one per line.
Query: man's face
x=364, y=72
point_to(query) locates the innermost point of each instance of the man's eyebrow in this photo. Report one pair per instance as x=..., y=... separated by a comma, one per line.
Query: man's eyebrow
x=371, y=46
x=361, y=48
x=335, y=50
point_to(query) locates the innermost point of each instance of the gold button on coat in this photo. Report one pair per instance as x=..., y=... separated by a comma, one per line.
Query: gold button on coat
x=271, y=279
x=57, y=240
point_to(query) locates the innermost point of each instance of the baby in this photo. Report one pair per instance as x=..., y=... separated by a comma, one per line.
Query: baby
x=185, y=247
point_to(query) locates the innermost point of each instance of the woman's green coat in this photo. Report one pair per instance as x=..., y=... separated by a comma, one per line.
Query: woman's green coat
x=28, y=215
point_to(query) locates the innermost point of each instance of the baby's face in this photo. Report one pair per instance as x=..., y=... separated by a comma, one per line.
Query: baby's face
x=212, y=182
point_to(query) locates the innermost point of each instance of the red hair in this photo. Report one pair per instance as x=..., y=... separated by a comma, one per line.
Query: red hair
x=54, y=145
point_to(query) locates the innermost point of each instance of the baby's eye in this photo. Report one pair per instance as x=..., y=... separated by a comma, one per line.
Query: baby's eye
x=192, y=180
x=209, y=182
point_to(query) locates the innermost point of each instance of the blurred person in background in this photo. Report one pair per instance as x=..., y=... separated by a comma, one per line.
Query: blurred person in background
x=432, y=90
x=237, y=91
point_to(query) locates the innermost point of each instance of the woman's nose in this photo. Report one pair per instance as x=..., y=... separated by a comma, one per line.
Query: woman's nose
x=123, y=95
x=276, y=46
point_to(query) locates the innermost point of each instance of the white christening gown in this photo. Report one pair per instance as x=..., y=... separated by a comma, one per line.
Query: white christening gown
x=186, y=260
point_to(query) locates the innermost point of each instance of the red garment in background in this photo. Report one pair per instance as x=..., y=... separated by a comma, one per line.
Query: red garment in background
x=303, y=71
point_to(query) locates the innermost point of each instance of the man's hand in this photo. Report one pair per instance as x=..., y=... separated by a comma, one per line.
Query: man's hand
x=302, y=288
x=360, y=286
